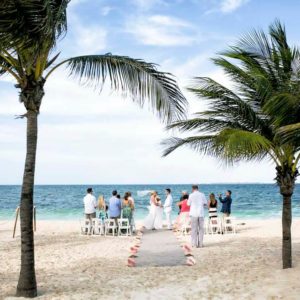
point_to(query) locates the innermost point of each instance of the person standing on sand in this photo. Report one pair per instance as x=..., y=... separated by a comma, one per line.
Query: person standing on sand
x=212, y=206
x=183, y=195
x=114, y=207
x=154, y=219
x=102, y=208
x=168, y=208
x=130, y=198
x=127, y=209
x=226, y=204
x=197, y=201
x=90, y=204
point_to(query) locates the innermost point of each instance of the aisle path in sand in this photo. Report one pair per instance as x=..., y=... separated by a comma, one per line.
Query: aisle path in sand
x=160, y=248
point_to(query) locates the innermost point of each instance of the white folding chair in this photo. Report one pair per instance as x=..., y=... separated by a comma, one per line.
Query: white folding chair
x=206, y=226
x=98, y=226
x=110, y=225
x=124, y=224
x=86, y=226
x=229, y=225
x=214, y=225
x=186, y=225
x=133, y=227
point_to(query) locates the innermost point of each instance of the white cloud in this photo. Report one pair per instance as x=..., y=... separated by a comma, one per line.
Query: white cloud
x=161, y=30
x=87, y=137
x=148, y=4
x=106, y=10
x=225, y=6
x=228, y=6
x=91, y=39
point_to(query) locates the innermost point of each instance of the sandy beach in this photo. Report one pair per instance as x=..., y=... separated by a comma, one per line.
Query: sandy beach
x=71, y=266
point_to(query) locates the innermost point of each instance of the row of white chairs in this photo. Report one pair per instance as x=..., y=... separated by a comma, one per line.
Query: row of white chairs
x=106, y=227
x=213, y=225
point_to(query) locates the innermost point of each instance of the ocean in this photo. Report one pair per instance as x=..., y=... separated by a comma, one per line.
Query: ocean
x=64, y=202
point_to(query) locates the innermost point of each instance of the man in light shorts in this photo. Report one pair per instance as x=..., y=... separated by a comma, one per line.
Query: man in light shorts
x=197, y=202
x=90, y=204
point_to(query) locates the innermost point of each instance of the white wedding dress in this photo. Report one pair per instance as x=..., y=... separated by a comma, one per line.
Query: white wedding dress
x=154, y=220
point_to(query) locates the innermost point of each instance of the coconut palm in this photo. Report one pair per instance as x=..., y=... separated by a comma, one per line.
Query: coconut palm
x=29, y=32
x=251, y=121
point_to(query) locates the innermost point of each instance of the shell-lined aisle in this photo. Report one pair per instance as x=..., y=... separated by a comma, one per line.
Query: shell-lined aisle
x=159, y=248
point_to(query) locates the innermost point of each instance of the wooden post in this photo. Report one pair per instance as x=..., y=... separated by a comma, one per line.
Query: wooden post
x=34, y=218
x=16, y=220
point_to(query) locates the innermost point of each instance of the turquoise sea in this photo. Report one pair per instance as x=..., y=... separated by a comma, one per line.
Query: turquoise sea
x=65, y=201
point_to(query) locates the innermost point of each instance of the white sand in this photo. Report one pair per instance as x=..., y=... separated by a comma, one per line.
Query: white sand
x=70, y=266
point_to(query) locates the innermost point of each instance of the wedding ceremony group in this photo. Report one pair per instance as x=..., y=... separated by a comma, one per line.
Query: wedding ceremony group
x=110, y=110
x=120, y=210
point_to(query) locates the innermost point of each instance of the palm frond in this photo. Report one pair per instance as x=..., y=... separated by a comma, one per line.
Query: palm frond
x=8, y=65
x=290, y=134
x=231, y=145
x=203, y=124
x=242, y=145
x=31, y=23
x=280, y=107
x=133, y=77
x=225, y=104
x=202, y=144
x=260, y=116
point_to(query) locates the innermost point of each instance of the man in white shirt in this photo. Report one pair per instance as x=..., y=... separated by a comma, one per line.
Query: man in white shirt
x=197, y=201
x=90, y=204
x=168, y=208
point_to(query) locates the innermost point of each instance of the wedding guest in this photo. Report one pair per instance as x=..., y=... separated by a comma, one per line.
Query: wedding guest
x=197, y=202
x=127, y=208
x=226, y=203
x=168, y=208
x=102, y=208
x=132, y=217
x=184, y=212
x=114, y=207
x=129, y=195
x=183, y=193
x=90, y=204
x=184, y=208
x=212, y=206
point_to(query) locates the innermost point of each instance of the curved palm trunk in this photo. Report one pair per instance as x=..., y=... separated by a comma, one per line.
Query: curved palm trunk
x=286, y=180
x=27, y=281
x=31, y=96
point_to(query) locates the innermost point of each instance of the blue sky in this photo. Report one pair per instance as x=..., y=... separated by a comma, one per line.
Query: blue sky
x=87, y=137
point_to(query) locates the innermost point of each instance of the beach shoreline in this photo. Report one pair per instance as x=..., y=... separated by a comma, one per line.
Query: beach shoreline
x=73, y=266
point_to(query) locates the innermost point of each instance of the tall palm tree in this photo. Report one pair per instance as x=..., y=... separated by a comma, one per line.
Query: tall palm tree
x=29, y=31
x=251, y=121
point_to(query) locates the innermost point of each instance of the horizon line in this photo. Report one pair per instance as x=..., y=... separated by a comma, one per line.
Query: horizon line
x=86, y=184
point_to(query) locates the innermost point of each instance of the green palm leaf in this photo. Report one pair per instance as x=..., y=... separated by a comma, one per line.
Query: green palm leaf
x=133, y=77
x=242, y=145
x=203, y=144
x=31, y=23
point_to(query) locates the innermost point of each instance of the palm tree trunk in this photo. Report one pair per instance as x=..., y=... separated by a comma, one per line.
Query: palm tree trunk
x=27, y=282
x=286, y=178
x=286, y=232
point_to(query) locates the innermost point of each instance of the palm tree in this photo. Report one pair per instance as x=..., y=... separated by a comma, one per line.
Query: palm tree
x=29, y=32
x=251, y=121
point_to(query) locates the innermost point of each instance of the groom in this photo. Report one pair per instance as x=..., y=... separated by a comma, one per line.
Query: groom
x=168, y=208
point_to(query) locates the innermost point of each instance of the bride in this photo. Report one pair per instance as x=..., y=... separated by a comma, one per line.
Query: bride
x=154, y=220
